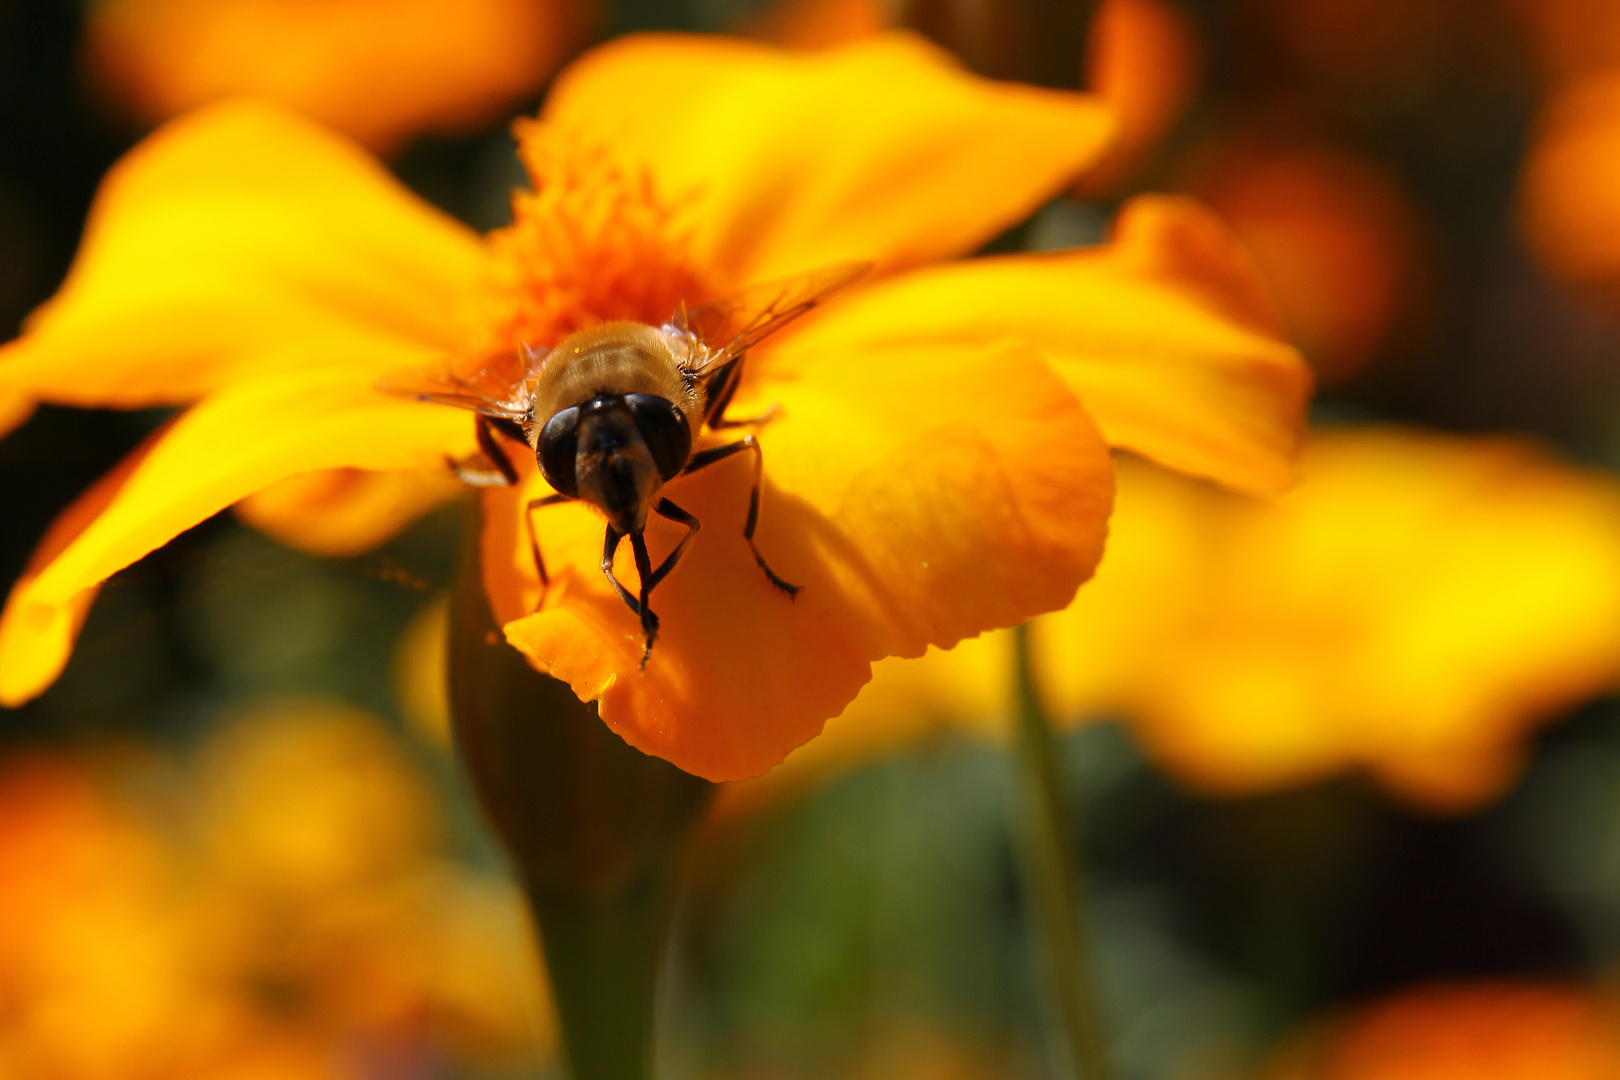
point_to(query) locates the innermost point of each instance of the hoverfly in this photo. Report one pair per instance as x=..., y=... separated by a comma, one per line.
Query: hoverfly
x=610, y=413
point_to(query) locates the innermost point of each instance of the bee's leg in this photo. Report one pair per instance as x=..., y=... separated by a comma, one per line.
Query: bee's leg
x=726, y=382
x=610, y=547
x=505, y=473
x=534, y=539
x=669, y=510
x=638, y=545
x=649, y=621
x=703, y=459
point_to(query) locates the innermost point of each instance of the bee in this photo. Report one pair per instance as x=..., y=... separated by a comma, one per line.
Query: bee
x=611, y=413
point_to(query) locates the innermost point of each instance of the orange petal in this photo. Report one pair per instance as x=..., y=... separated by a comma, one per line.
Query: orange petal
x=346, y=511
x=441, y=64
x=919, y=495
x=231, y=445
x=1162, y=333
x=227, y=233
x=884, y=149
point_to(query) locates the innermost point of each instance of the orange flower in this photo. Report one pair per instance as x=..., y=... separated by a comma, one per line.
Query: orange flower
x=1413, y=608
x=1464, y=1031
x=378, y=70
x=933, y=471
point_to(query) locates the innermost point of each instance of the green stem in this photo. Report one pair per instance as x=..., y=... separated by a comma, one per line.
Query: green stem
x=1053, y=892
x=596, y=830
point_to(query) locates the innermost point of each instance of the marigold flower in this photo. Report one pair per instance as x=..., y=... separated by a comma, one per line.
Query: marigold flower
x=438, y=66
x=1464, y=1031
x=933, y=470
x=1412, y=608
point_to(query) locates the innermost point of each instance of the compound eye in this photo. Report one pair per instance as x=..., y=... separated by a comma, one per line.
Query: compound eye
x=664, y=429
x=559, y=444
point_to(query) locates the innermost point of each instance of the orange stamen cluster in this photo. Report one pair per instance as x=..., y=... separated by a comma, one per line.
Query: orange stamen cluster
x=591, y=243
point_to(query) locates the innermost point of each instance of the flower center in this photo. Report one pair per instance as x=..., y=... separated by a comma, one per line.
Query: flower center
x=592, y=242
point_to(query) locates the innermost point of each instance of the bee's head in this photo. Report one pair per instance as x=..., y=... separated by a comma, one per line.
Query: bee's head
x=615, y=451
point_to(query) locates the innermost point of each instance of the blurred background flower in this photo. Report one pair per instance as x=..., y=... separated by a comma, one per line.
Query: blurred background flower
x=280, y=904
x=378, y=70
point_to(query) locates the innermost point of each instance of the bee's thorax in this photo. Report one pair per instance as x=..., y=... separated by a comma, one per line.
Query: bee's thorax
x=614, y=359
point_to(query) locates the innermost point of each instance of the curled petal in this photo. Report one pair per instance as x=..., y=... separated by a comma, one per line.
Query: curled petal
x=1163, y=333
x=229, y=232
x=231, y=445
x=918, y=495
x=884, y=149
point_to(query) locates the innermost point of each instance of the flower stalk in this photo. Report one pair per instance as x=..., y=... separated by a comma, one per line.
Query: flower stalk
x=595, y=828
x=1054, y=895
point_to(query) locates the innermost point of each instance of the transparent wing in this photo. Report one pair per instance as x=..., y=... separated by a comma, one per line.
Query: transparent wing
x=730, y=326
x=496, y=384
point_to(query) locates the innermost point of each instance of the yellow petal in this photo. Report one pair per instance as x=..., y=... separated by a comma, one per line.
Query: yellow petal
x=1162, y=333
x=231, y=445
x=884, y=149
x=919, y=495
x=346, y=511
x=441, y=64
x=234, y=230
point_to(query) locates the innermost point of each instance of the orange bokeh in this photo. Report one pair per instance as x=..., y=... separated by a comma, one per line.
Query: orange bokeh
x=1464, y=1031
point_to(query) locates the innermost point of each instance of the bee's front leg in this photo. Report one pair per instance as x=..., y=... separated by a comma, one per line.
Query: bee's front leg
x=638, y=545
x=504, y=473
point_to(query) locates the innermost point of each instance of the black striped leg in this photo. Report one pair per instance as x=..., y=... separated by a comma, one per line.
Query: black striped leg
x=534, y=540
x=667, y=509
x=638, y=546
x=649, y=577
x=705, y=458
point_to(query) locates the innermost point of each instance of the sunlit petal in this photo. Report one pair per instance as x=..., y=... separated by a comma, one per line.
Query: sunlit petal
x=235, y=443
x=233, y=230
x=1162, y=333
x=883, y=149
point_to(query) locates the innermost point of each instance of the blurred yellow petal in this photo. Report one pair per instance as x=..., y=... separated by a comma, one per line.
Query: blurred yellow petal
x=1162, y=333
x=980, y=502
x=346, y=511
x=883, y=149
x=1414, y=608
x=225, y=234
x=237, y=442
x=378, y=70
